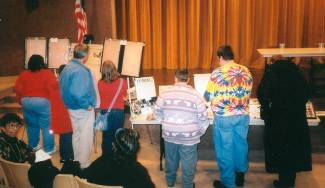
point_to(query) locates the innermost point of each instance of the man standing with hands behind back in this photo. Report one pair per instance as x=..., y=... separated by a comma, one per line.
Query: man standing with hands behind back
x=183, y=115
x=79, y=96
x=228, y=90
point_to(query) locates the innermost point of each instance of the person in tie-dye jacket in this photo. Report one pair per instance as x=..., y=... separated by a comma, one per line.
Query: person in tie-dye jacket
x=229, y=89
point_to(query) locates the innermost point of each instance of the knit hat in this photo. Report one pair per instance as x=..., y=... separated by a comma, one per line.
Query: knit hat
x=127, y=141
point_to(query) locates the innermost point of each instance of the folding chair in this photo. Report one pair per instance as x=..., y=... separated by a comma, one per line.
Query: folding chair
x=16, y=173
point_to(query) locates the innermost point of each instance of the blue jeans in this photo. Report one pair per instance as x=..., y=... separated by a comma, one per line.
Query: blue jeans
x=188, y=156
x=37, y=115
x=115, y=120
x=66, y=149
x=230, y=145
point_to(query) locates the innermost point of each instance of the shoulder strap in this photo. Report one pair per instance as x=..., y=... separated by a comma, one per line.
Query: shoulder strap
x=116, y=94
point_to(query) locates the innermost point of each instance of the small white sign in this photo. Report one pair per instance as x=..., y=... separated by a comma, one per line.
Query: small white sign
x=145, y=88
x=201, y=82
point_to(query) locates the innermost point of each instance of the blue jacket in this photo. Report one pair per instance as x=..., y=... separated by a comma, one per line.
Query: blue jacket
x=77, y=86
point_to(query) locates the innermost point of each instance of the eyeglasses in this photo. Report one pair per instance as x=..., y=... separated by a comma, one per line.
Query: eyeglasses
x=13, y=125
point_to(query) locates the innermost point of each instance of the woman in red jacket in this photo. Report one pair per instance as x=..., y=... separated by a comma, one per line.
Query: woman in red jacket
x=33, y=88
x=61, y=122
x=108, y=87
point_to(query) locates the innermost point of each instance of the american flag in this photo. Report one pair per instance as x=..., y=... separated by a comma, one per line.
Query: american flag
x=81, y=20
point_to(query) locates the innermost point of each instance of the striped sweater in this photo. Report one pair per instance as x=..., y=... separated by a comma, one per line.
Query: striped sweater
x=183, y=114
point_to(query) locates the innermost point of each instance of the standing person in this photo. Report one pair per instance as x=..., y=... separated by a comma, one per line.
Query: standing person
x=283, y=93
x=228, y=90
x=33, y=88
x=79, y=96
x=108, y=87
x=183, y=115
x=12, y=149
x=61, y=122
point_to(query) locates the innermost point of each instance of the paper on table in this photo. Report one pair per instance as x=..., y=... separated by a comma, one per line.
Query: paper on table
x=201, y=82
x=145, y=87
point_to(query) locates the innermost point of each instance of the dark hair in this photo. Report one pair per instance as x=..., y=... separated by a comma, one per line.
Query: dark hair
x=225, y=52
x=127, y=142
x=36, y=63
x=61, y=68
x=88, y=38
x=80, y=51
x=42, y=174
x=8, y=118
x=182, y=75
x=109, y=71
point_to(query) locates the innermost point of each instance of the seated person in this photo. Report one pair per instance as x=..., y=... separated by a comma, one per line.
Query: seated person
x=120, y=168
x=11, y=148
x=42, y=173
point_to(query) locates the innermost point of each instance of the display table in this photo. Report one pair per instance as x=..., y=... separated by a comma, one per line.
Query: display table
x=141, y=119
x=292, y=52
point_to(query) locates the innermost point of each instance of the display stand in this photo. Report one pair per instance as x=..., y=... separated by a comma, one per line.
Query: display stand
x=35, y=45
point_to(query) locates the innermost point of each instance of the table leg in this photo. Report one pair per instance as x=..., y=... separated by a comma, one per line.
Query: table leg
x=311, y=76
x=149, y=133
x=162, y=148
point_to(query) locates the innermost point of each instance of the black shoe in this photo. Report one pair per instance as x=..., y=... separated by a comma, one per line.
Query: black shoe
x=278, y=184
x=171, y=184
x=218, y=184
x=240, y=179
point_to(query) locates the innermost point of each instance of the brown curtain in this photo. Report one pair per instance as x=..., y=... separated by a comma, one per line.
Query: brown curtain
x=186, y=33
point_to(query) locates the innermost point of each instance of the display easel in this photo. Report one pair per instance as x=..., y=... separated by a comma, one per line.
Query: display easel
x=126, y=56
x=35, y=45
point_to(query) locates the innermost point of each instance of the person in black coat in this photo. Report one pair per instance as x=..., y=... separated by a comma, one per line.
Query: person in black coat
x=120, y=168
x=283, y=93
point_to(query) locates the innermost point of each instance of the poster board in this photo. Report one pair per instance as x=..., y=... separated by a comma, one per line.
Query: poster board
x=35, y=45
x=163, y=88
x=94, y=59
x=111, y=51
x=58, y=52
x=132, y=58
x=145, y=88
x=201, y=82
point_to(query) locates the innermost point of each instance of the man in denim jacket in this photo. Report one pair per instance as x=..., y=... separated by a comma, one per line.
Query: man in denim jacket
x=79, y=96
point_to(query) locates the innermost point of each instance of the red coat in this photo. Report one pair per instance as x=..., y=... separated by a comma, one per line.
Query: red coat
x=34, y=84
x=60, y=119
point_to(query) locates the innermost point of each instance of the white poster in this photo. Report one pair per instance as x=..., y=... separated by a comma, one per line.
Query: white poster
x=111, y=50
x=201, y=82
x=94, y=59
x=58, y=52
x=132, y=59
x=145, y=88
x=35, y=45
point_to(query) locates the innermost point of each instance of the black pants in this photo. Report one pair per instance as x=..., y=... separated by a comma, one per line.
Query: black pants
x=287, y=178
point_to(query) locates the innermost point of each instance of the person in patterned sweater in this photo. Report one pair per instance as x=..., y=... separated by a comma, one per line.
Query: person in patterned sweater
x=182, y=112
x=12, y=149
x=229, y=89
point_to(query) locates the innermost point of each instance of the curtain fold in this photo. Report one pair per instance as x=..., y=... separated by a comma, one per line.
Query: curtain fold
x=186, y=33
